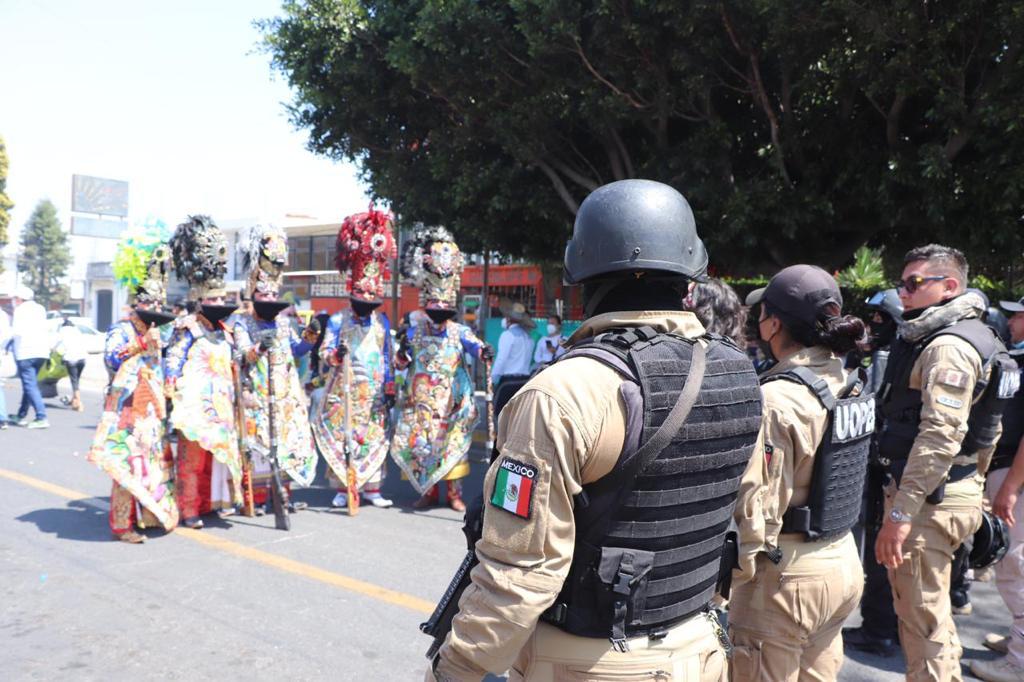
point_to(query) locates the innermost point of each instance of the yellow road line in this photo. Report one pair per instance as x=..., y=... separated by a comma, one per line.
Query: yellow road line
x=259, y=556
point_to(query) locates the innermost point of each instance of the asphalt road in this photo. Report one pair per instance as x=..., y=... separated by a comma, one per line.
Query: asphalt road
x=337, y=597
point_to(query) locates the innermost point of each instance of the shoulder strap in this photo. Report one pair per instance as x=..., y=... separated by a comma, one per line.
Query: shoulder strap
x=802, y=375
x=652, y=448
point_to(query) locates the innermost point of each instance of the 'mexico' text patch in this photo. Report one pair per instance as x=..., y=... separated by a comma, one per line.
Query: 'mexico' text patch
x=513, y=487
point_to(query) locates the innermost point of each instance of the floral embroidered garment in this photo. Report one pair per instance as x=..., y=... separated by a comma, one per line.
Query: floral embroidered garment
x=204, y=395
x=296, y=454
x=130, y=444
x=368, y=341
x=437, y=410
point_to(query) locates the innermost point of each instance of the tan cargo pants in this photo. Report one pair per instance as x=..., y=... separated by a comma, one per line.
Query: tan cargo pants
x=920, y=586
x=1010, y=570
x=786, y=624
x=690, y=652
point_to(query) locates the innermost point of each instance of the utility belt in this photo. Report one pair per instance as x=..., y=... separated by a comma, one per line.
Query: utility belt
x=957, y=472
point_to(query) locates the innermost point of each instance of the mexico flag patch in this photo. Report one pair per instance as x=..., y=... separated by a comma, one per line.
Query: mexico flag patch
x=513, y=487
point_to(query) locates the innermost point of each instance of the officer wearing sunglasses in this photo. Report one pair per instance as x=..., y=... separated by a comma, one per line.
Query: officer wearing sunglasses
x=939, y=410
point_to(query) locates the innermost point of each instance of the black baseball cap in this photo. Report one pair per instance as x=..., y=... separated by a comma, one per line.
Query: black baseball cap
x=1012, y=307
x=801, y=292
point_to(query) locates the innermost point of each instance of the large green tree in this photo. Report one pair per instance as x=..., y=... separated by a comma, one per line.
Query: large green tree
x=45, y=255
x=5, y=202
x=798, y=129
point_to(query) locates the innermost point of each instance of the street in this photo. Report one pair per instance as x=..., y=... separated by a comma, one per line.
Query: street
x=337, y=597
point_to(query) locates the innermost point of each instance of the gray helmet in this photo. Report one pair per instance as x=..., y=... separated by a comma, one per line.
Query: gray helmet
x=888, y=301
x=632, y=226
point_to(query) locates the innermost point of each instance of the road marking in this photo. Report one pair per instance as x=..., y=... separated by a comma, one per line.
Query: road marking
x=281, y=563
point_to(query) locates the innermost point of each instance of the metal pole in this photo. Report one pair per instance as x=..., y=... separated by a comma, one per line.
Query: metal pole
x=394, y=281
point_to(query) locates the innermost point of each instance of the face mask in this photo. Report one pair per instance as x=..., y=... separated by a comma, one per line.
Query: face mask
x=552, y=329
x=364, y=308
x=439, y=316
x=882, y=333
x=504, y=323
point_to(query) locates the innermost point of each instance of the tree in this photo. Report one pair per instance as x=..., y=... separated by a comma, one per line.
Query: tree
x=45, y=255
x=5, y=202
x=798, y=129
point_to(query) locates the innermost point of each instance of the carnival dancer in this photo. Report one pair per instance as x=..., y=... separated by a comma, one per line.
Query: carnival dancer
x=437, y=410
x=259, y=337
x=130, y=444
x=350, y=423
x=199, y=372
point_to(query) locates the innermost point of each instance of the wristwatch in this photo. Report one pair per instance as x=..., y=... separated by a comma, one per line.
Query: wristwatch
x=897, y=515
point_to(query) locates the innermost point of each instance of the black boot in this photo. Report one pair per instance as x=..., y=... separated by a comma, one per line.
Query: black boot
x=868, y=642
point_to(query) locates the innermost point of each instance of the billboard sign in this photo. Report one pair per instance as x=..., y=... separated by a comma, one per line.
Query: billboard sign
x=90, y=194
x=93, y=227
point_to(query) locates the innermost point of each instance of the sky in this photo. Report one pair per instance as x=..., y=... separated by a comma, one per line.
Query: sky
x=174, y=97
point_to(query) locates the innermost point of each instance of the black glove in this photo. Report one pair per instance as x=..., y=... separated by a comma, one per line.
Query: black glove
x=340, y=351
x=487, y=352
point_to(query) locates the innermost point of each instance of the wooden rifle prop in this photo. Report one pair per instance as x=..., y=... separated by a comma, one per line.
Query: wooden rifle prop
x=351, y=479
x=248, y=504
x=278, y=494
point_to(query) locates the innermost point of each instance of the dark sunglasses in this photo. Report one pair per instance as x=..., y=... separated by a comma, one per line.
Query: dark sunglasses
x=911, y=284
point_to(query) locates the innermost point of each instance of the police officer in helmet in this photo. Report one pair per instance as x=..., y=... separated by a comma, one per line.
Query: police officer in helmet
x=802, y=494
x=878, y=631
x=608, y=503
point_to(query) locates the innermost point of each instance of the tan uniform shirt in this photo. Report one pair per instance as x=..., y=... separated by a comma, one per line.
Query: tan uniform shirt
x=945, y=373
x=779, y=475
x=568, y=422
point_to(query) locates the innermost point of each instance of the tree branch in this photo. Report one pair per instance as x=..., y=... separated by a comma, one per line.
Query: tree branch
x=623, y=152
x=559, y=186
x=760, y=94
x=633, y=101
x=583, y=181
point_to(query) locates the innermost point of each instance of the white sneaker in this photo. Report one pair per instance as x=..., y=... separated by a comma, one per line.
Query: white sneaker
x=998, y=643
x=340, y=500
x=999, y=670
x=377, y=500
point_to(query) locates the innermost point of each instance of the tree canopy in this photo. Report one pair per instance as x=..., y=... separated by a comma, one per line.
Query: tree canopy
x=799, y=130
x=45, y=254
x=5, y=202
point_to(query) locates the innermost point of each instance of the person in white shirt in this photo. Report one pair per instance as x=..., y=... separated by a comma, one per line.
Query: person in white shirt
x=71, y=346
x=31, y=350
x=5, y=339
x=515, y=346
x=549, y=348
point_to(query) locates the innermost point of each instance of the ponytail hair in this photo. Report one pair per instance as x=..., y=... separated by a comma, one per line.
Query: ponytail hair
x=833, y=330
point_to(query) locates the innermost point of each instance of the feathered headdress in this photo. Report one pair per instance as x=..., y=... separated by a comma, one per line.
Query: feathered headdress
x=200, y=254
x=264, y=254
x=364, y=247
x=142, y=262
x=431, y=261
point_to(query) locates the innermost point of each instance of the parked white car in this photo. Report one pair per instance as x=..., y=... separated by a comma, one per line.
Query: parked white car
x=92, y=338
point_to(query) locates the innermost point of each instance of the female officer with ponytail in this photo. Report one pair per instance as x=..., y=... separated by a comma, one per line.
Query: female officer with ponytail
x=799, y=574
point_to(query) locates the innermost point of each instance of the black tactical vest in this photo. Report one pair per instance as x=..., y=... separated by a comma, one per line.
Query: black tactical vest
x=648, y=549
x=900, y=406
x=841, y=460
x=1013, y=422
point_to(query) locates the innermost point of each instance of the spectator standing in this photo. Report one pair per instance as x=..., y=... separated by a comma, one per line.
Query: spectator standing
x=1005, y=478
x=31, y=349
x=515, y=347
x=549, y=347
x=71, y=347
x=5, y=339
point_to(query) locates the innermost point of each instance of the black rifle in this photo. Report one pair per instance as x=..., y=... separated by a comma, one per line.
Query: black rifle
x=440, y=622
x=278, y=494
